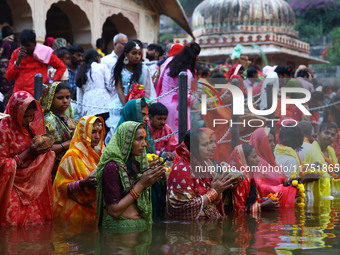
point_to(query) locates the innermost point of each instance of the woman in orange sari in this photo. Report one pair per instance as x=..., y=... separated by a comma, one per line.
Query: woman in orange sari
x=25, y=164
x=74, y=188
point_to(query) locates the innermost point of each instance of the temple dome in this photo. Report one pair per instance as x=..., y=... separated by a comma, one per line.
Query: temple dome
x=225, y=16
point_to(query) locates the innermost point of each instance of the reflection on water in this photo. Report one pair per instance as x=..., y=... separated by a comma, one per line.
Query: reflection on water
x=314, y=229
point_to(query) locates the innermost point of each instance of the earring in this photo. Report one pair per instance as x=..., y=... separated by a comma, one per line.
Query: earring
x=126, y=61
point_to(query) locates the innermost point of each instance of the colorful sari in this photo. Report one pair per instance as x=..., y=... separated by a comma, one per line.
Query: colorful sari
x=56, y=126
x=79, y=161
x=132, y=111
x=25, y=193
x=242, y=201
x=270, y=181
x=118, y=151
x=186, y=189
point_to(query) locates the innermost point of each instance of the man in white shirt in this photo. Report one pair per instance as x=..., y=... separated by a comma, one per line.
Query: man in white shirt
x=119, y=41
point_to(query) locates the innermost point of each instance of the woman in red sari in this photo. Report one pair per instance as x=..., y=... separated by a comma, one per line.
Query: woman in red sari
x=246, y=196
x=25, y=167
x=192, y=191
x=270, y=181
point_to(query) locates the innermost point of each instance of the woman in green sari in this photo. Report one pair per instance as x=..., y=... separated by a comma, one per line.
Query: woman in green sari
x=59, y=123
x=123, y=192
x=137, y=110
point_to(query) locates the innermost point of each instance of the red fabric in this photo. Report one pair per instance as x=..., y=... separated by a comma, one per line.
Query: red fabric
x=175, y=49
x=24, y=75
x=169, y=144
x=270, y=182
x=49, y=41
x=241, y=193
x=25, y=194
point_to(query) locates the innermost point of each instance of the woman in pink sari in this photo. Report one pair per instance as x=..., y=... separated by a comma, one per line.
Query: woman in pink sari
x=25, y=164
x=168, y=80
x=270, y=181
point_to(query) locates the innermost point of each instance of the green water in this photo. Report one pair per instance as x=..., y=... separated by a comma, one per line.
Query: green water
x=315, y=230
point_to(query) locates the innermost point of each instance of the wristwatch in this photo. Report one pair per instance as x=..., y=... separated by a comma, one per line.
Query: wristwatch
x=15, y=63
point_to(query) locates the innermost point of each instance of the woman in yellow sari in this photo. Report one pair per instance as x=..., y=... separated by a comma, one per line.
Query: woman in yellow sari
x=74, y=188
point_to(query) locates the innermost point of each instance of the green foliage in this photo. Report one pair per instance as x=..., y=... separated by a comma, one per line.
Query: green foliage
x=333, y=53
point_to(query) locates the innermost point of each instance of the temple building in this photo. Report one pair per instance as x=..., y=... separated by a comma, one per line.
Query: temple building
x=84, y=21
x=260, y=26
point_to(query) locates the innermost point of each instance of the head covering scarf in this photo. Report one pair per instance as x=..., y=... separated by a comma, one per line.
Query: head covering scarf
x=58, y=43
x=79, y=161
x=49, y=41
x=119, y=150
x=270, y=181
x=132, y=111
x=31, y=182
x=209, y=133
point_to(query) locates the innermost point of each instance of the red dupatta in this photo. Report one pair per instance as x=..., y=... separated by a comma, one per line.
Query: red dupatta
x=270, y=181
x=28, y=182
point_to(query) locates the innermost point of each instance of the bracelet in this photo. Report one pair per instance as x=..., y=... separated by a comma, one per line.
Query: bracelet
x=211, y=195
x=18, y=160
x=74, y=186
x=16, y=65
x=134, y=193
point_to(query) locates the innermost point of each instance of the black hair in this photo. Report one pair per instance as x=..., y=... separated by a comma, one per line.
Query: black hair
x=143, y=103
x=282, y=70
x=327, y=125
x=326, y=89
x=62, y=85
x=62, y=51
x=100, y=42
x=247, y=149
x=32, y=106
x=27, y=36
x=205, y=72
x=156, y=47
x=184, y=60
x=6, y=31
x=90, y=56
x=316, y=96
x=302, y=73
x=333, y=110
x=158, y=109
x=306, y=128
x=75, y=48
x=291, y=136
x=251, y=71
x=195, y=136
x=137, y=69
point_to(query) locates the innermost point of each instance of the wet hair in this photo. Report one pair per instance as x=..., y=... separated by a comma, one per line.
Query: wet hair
x=251, y=72
x=32, y=106
x=100, y=42
x=184, y=60
x=61, y=86
x=247, y=148
x=157, y=48
x=90, y=56
x=306, y=128
x=327, y=125
x=75, y=48
x=291, y=136
x=302, y=73
x=158, y=109
x=6, y=31
x=137, y=69
x=62, y=51
x=27, y=36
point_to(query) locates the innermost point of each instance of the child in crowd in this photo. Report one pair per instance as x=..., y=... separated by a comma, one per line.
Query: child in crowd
x=158, y=113
x=64, y=55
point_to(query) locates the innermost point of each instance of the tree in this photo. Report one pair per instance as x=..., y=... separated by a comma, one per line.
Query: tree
x=332, y=54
